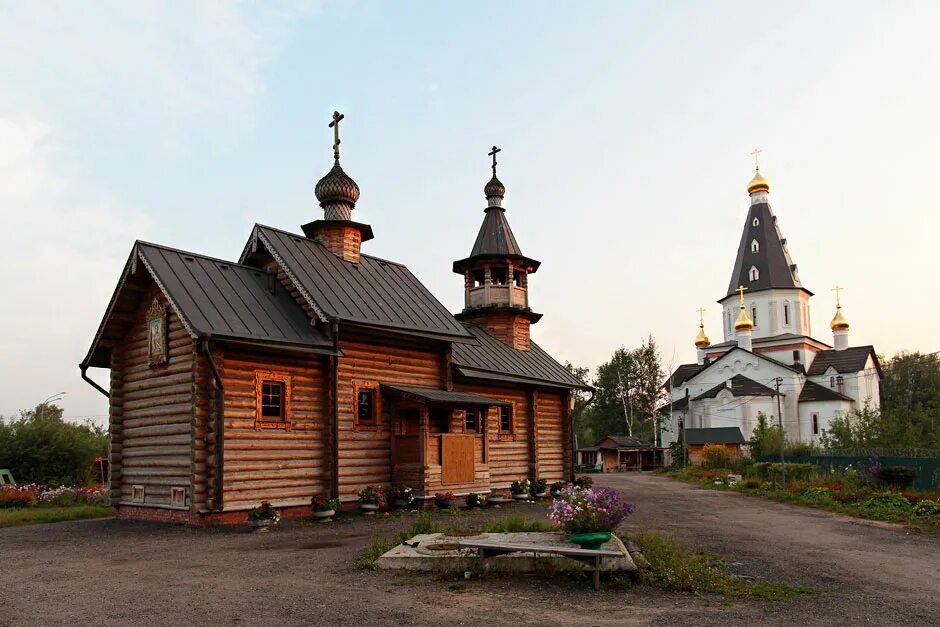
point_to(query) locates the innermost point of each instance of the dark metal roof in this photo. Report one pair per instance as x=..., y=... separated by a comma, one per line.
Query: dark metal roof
x=493, y=360
x=812, y=391
x=682, y=403
x=434, y=396
x=683, y=373
x=740, y=386
x=218, y=299
x=625, y=441
x=773, y=263
x=374, y=292
x=495, y=239
x=848, y=360
x=782, y=337
x=714, y=435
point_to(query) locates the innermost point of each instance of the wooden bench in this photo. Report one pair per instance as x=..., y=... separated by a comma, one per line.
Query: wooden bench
x=589, y=557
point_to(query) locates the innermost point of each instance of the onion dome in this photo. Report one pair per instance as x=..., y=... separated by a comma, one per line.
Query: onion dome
x=758, y=183
x=839, y=322
x=701, y=340
x=337, y=191
x=744, y=322
x=494, y=188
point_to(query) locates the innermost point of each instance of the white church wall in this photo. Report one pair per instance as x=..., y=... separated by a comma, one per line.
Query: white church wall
x=772, y=319
x=826, y=412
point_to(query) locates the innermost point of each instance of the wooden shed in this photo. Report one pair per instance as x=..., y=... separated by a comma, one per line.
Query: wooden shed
x=697, y=439
x=621, y=453
x=307, y=367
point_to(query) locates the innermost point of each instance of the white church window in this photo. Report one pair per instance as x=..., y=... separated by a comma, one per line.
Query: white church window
x=755, y=246
x=754, y=314
x=754, y=273
x=756, y=222
x=815, y=424
x=786, y=313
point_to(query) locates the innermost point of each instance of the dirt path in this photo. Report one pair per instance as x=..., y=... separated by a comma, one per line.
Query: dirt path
x=107, y=572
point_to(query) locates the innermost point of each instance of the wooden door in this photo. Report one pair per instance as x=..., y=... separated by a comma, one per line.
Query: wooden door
x=457, y=458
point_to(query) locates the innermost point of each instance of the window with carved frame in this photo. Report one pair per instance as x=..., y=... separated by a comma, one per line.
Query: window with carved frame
x=366, y=406
x=272, y=400
x=507, y=419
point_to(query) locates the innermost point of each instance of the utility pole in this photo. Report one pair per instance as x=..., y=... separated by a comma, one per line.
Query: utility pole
x=783, y=464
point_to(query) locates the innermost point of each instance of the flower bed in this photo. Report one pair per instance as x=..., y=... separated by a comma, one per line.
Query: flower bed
x=33, y=494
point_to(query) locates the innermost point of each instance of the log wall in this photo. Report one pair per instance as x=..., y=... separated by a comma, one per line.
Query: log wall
x=283, y=466
x=152, y=413
x=365, y=454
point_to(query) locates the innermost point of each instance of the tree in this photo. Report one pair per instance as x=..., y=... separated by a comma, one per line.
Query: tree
x=39, y=447
x=581, y=399
x=766, y=439
x=872, y=428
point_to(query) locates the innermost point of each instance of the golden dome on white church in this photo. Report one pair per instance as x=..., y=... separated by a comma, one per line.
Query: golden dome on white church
x=839, y=321
x=701, y=340
x=744, y=322
x=758, y=183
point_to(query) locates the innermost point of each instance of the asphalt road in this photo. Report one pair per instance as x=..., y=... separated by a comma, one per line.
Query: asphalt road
x=109, y=572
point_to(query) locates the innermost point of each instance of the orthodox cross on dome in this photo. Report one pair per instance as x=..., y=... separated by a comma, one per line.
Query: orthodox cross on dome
x=492, y=153
x=741, y=289
x=756, y=154
x=337, y=116
x=838, y=289
x=701, y=319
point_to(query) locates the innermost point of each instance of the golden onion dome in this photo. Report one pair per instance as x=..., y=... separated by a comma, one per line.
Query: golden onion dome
x=758, y=184
x=701, y=340
x=744, y=322
x=839, y=323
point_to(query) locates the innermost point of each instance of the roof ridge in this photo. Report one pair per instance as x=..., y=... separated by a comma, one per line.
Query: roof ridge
x=200, y=255
x=292, y=234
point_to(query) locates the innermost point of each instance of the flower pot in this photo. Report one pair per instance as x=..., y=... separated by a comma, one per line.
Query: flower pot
x=540, y=495
x=520, y=497
x=369, y=507
x=592, y=541
x=444, y=504
x=401, y=503
x=260, y=525
x=325, y=515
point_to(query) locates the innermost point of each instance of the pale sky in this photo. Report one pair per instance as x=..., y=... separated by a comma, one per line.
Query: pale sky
x=626, y=130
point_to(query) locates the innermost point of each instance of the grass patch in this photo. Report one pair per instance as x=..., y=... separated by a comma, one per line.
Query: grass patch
x=41, y=515
x=676, y=567
x=425, y=523
x=515, y=524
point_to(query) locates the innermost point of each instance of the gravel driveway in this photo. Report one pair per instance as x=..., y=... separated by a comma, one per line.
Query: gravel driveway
x=107, y=572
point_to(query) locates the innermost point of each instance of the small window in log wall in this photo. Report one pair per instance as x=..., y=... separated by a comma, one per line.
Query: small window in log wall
x=272, y=400
x=137, y=494
x=505, y=419
x=471, y=420
x=366, y=411
x=178, y=497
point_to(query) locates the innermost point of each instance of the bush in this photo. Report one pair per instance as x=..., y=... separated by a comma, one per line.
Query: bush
x=39, y=447
x=761, y=470
x=751, y=484
x=804, y=449
x=716, y=456
x=898, y=477
x=12, y=496
x=927, y=508
x=818, y=495
x=886, y=503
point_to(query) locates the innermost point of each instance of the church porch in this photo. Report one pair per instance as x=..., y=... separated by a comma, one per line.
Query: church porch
x=440, y=439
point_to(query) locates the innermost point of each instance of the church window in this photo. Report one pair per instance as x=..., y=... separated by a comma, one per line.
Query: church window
x=367, y=410
x=272, y=400
x=756, y=222
x=470, y=421
x=832, y=382
x=786, y=313
x=840, y=385
x=505, y=419
x=815, y=424
x=755, y=246
x=796, y=357
x=754, y=314
x=754, y=274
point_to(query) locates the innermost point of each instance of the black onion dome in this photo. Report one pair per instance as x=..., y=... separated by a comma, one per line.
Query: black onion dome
x=335, y=187
x=494, y=188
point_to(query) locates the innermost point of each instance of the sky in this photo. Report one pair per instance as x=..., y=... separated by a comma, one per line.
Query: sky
x=625, y=130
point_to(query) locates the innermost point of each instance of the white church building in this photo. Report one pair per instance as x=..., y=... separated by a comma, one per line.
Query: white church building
x=768, y=349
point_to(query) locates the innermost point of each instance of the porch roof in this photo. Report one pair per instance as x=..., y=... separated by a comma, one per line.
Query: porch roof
x=434, y=396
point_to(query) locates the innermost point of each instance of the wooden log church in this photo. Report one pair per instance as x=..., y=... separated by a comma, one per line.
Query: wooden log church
x=310, y=368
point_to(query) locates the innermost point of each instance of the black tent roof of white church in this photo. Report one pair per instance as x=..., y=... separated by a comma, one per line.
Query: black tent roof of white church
x=844, y=361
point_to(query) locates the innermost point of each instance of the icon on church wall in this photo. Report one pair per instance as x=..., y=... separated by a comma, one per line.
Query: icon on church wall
x=156, y=325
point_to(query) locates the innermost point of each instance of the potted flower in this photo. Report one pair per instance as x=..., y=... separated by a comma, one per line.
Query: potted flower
x=401, y=496
x=371, y=498
x=520, y=489
x=538, y=488
x=587, y=515
x=496, y=499
x=475, y=499
x=584, y=482
x=445, y=500
x=323, y=508
x=556, y=489
x=263, y=516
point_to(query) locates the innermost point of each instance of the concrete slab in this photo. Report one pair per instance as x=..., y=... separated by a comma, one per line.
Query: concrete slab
x=439, y=552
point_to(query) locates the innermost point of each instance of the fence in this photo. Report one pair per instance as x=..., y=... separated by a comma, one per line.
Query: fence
x=928, y=468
